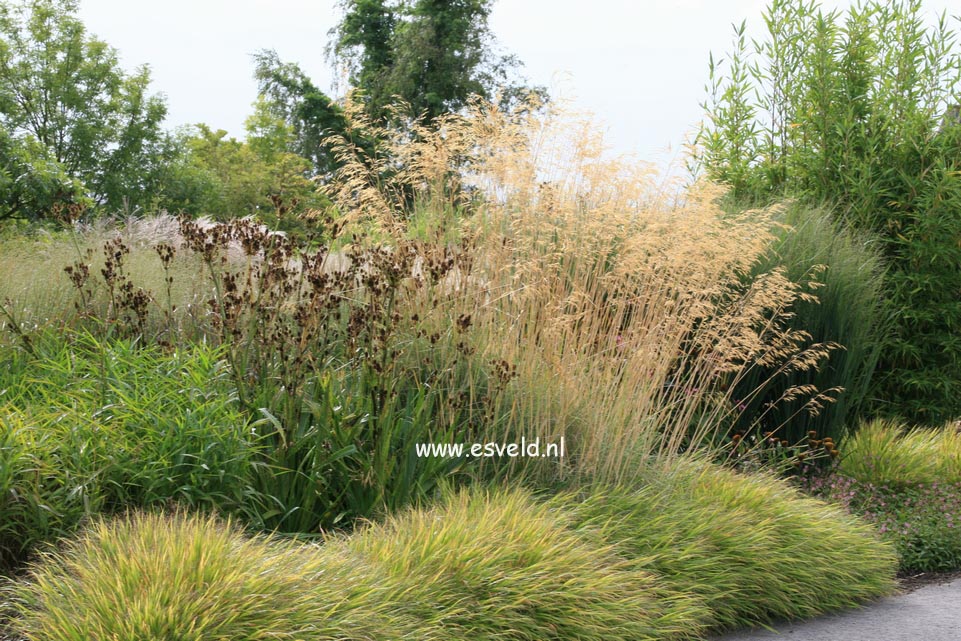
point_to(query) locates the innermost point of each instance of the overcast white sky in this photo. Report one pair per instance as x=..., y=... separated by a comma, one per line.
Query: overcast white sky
x=639, y=65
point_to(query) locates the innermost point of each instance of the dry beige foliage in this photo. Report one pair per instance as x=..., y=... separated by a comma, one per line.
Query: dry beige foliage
x=621, y=301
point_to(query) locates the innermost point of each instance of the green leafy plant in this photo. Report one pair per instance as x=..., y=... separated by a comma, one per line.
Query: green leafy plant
x=843, y=306
x=919, y=519
x=334, y=354
x=908, y=483
x=853, y=109
x=88, y=428
x=922, y=522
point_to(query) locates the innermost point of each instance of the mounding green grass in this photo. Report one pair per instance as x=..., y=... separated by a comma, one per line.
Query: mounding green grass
x=883, y=453
x=846, y=309
x=749, y=547
x=479, y=565
x=499, y=565
x=906, y=482
x=697, y=549
x=150, y=577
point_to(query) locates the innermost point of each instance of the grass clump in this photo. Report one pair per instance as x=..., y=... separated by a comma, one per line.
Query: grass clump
x=595, y=279
x=693, y=550
x=883, y=453
x=498, y=565
x=906, y=482
x=846, y=310
x=153, y=577
x=95, y=427
x=749, y=547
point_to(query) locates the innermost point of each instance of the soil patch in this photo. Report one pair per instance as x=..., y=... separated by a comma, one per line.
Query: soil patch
x=911, y=581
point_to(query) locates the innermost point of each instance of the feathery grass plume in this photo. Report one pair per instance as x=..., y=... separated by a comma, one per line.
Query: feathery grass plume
x=148, y=577
x=544, y=291
x=407, y=172
x=886, y=453
x=495, y=564
x=621, y=308
x=751, y=548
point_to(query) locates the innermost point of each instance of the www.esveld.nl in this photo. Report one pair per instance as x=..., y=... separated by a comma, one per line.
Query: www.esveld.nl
x=524, y=449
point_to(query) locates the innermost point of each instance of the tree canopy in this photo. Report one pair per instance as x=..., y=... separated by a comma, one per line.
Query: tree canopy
x=431, y=54
x=226, y=178
x=290, y=96
x=75, y=125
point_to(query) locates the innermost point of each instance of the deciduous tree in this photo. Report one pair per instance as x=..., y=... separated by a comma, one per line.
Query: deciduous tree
x=431, y=54
x=75, y=125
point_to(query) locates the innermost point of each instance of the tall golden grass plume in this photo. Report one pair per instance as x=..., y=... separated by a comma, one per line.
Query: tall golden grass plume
x=622, y=302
